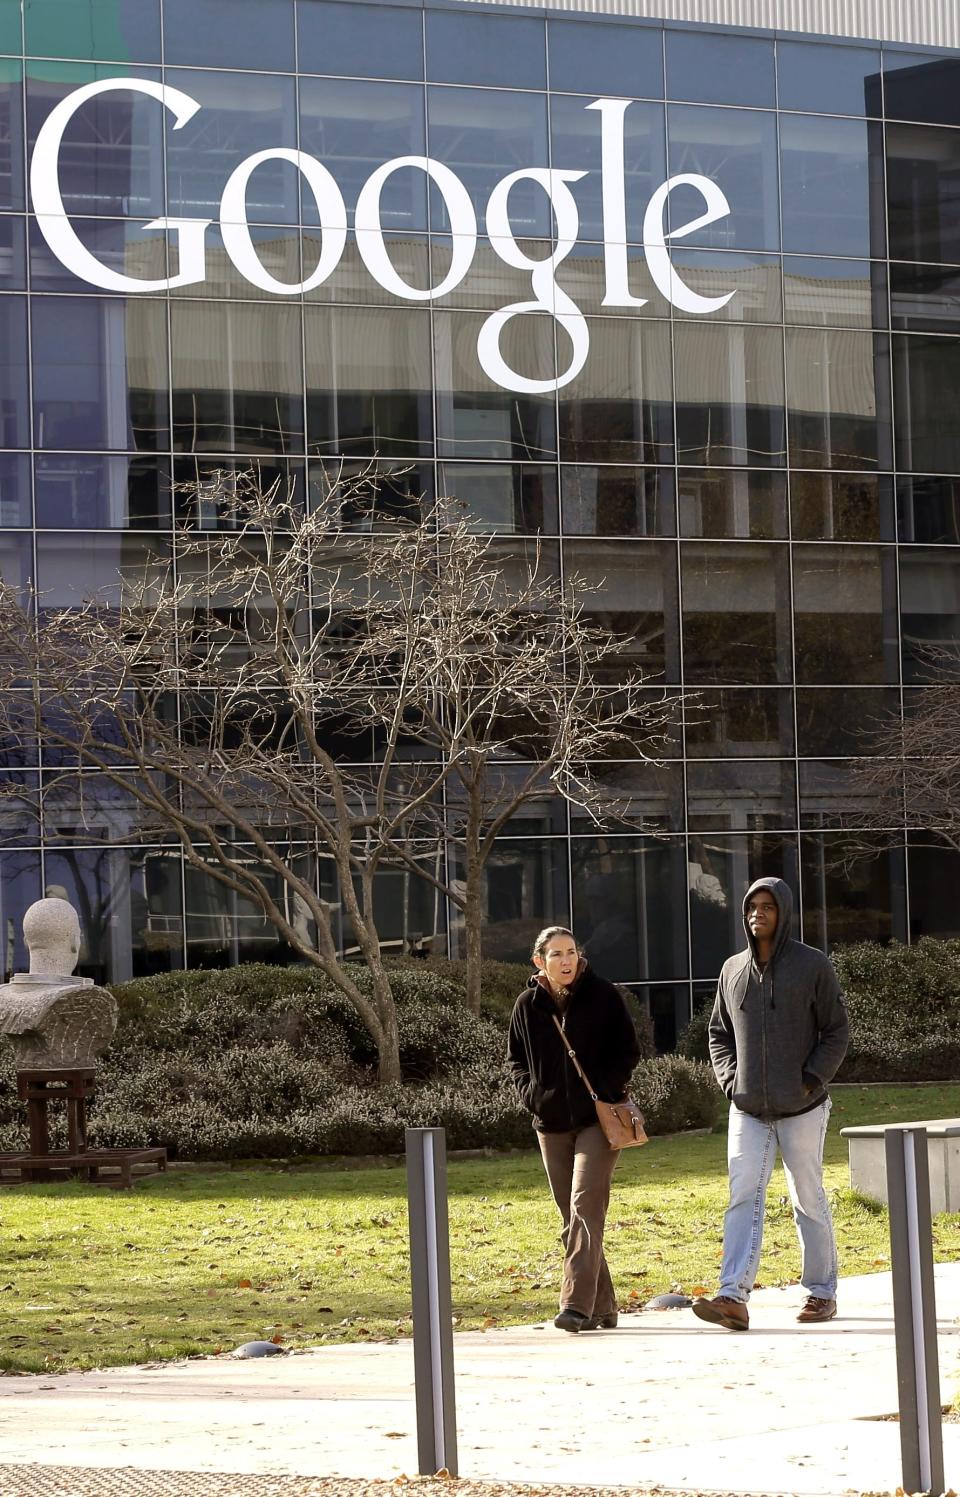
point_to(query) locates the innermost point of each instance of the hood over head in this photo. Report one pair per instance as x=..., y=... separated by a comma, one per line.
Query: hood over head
x=783, y=897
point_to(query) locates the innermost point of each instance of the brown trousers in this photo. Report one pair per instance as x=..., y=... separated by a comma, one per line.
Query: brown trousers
x=580, y=1167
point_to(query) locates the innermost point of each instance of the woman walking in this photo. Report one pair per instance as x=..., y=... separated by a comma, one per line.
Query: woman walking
x=565, y=993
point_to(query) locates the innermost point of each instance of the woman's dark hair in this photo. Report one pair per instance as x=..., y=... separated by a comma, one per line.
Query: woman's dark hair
x=546, y=936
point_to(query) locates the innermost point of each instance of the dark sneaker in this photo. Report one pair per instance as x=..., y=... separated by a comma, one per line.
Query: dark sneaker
x=817, y=1309
x=571, y=1320
x=730, y=1313
x=601, y=1322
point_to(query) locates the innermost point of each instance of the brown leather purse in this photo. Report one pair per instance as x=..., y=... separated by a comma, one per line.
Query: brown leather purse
x=622, y=1122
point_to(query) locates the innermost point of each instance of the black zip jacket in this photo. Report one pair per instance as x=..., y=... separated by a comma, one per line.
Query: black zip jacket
x=599, y=1029
x=777, y=1037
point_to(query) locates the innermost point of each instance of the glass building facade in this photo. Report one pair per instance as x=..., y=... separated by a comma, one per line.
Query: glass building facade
x=305, y=234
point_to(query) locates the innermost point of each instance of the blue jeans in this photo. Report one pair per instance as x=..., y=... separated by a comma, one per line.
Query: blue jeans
x=751, y=1154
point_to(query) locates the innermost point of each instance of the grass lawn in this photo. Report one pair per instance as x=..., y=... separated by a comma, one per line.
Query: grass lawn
x=201, y=1259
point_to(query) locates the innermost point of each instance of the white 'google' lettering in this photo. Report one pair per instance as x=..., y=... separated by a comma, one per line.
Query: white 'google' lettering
x=548, y=298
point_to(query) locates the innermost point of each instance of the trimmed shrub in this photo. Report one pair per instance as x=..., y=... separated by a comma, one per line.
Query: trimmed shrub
x=675, y=1094
x=265, y=1062
x=904, y=1007
x=694, y=1042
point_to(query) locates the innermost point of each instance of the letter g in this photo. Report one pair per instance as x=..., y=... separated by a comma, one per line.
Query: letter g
x=48, y=204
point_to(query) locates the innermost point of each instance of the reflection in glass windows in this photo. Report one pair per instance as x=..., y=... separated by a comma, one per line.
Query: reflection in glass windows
x=841, y=506
x=844, y=614
x=237, y=377
x=834, y=293
x=742, y=722
x=116, y=30
x=838, y=406
x=372, y=41
x=14, y=400
x=122, y=245
x=926, y=372
x=353, y=128
x=483, y=135
x=928, y=510
x=729, y=386
x=608, y=59
x=73, y=567
x=929, y=607
x=923, y=193
x=204, y=486
x=223, y=928
x=924, y=298
x=15, y=506
x=368, y=380
x=736, y=625
x=832, y=184
x=13, y=253
x=934, y=872
x=720, y=870
x=635, y=595
x=716, y=68
x=486, y=48
x=111, y=157
x=734, y=502
x=100, y=373
x=371, y=494
x=525, y=887
x=741, y=796
x=618, y=408
x=229, y=34
x=828, y=80
x=11, y=135
x=600, y=500
x=644, y=796
x=504, y=497
x=920, y=86
x=830, y=795
x=20, y=887
x=629, y=905
x=575, y=131
x=842, y=720
x=753, y=278
x=83, y=491
x=737, y=149
x=852, y=890
x=475, y=417
x=240, y=115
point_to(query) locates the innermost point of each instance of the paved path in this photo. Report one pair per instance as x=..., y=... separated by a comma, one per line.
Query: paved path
x=662, y=1401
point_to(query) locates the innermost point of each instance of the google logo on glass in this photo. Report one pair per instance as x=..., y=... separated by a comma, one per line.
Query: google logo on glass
x=546, y=295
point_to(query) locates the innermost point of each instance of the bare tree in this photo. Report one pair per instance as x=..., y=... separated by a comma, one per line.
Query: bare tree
x=222, y=694
x=912, y=776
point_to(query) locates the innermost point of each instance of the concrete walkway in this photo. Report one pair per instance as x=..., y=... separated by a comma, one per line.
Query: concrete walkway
x=661, y=1401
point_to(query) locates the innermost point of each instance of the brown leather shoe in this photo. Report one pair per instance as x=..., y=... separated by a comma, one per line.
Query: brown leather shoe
x=730, y=1313
x=817, y=1309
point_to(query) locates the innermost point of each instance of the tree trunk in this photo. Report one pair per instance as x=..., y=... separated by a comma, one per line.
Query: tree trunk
x=473, y=936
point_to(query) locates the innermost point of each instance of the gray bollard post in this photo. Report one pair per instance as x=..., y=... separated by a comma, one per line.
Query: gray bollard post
x=914, y=1309
x=430, y=1281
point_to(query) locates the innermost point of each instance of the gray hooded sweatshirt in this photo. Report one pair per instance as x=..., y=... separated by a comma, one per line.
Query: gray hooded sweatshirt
x=777, y=1037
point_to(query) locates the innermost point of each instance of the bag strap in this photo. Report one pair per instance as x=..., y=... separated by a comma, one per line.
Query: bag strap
x=573, y=1056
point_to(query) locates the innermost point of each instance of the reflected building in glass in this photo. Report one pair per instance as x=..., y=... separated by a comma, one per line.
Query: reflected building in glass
x=758, y=234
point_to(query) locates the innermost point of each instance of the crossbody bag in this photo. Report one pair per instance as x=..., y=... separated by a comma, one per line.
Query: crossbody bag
x=622, y=1122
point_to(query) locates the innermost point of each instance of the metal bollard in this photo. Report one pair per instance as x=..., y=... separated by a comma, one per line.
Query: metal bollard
x=914, y=1309
x=430, y=1281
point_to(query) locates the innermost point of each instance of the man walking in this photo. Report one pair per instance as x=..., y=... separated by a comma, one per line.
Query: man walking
x=778, y=1033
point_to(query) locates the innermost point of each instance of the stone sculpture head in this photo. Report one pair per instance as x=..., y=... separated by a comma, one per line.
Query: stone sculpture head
x=51, y=929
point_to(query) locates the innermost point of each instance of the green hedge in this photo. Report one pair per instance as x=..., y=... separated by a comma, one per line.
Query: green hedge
x=904, y=1007
x=263, y=1061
